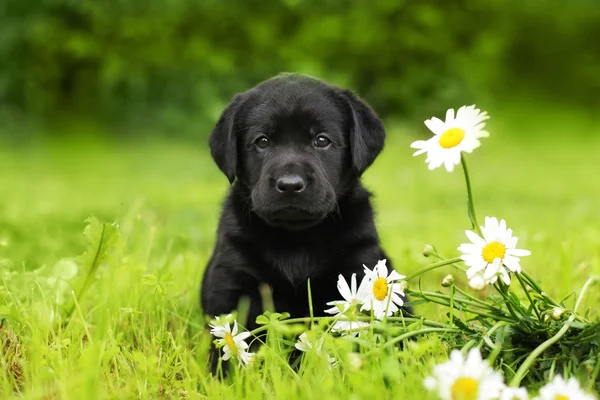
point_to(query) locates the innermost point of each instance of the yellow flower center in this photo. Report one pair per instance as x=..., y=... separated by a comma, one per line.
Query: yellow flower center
x=465, y=389
x=561, y=397
x=380, y=288
x=231, y=343
x=492, y=251
x=451, y=137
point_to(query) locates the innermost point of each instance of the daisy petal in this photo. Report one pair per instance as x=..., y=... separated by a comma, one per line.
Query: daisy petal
x=520, y=252
x=418, y=144
x=394, y=276
x=343, y=288
x=475, y=239
x=450, y=116
x=435, y=125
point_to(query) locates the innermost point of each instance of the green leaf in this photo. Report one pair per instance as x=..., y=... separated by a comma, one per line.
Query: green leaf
x=149, y=280
x=262, y=320
x=101, y=237
x=164, y=280
x=167, y=278
x=271, y=318
x=414, y=326
x=274, y=317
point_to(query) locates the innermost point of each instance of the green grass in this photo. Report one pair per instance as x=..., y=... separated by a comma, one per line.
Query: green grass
x=136, y=333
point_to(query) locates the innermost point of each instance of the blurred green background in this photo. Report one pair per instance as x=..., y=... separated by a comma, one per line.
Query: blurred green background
x=128, y=68
x=106, y=106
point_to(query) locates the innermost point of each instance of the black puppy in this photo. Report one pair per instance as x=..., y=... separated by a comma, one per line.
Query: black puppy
x=297, y=209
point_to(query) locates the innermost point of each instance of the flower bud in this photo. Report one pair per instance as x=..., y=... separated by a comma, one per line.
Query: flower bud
x=546, y=318
x=448, y=281
x=557, y=313
x=477, y=282
x=403, y=285
x=428, y=250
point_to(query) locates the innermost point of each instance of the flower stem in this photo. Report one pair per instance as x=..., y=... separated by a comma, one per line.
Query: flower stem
x=433, y=266
x=457, y=300
x=471, y=204
x=537, y=312
x=425, y=322
x=415, y=333
x=503, y=290
x=310, y=306
x=452, y=292
x=496, y=347
x=365, y=318
x=433, y=298
x=516, y=380
x=85, y=327
x=475, y=300
x=587, y=284
x=531, y=282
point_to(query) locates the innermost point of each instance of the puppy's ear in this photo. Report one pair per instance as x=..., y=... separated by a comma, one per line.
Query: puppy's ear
x=222, y=140
x=367, y=134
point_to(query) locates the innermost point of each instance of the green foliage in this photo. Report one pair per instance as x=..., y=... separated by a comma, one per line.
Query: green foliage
x=172, y=66
x=132, y=340
x=100, y=238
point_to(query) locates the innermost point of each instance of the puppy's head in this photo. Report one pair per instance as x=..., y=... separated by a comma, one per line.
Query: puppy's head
x=298, y=144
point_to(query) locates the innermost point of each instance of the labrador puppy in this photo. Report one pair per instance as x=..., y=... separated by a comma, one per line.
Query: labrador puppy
x=293, y=148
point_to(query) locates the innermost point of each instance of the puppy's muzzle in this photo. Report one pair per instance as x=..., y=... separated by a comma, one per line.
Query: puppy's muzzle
x=290, y=184
x=293, y=196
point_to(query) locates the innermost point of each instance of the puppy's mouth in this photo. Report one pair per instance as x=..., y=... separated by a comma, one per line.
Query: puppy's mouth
x=293, y=218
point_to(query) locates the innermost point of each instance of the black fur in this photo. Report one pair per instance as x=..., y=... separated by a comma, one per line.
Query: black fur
x=284, y=238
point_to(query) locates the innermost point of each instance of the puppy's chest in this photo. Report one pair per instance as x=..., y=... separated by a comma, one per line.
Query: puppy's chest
x=298, y=266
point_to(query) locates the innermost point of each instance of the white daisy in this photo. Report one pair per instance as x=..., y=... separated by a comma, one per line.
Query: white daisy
x=304, y=344
x=452, y=137
x=461, y=378
x=510, y=393
x=346, y=309
x=559, y=389
x=219, y=322
x=382, y=291
x=233, y=343
x=352, y=295
x=495, y=254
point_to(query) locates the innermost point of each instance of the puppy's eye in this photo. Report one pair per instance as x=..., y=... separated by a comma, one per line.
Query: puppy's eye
x=262, y=142
x=322, y=141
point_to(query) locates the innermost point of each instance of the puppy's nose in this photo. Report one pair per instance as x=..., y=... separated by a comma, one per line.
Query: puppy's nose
x=290, y=184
